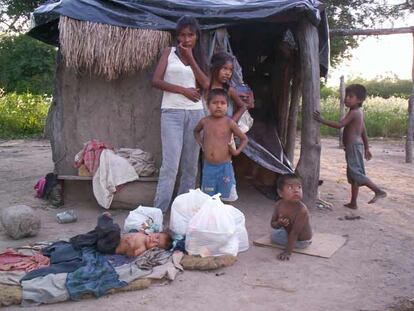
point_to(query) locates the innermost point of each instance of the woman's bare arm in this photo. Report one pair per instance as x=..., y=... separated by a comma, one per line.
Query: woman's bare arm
x=200, y=76
x=159, y=82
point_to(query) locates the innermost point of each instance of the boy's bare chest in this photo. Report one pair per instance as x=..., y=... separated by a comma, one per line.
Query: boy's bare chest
x=217, y=130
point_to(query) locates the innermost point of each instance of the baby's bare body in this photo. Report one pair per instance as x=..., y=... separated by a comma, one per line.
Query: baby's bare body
x=132, y=244
x=294, y=217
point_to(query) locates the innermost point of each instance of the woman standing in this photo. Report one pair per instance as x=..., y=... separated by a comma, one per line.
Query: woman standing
x=181, y=74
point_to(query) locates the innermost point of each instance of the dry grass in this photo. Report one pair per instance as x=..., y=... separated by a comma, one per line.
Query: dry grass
x=109, y=51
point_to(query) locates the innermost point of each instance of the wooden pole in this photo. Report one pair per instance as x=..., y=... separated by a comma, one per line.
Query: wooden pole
x=410, y=122
x=341, y=108
x=293, y=112
x=310, y=152
x=370, y=32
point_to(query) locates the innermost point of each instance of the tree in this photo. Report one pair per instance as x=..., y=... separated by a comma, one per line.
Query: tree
x=349, y=14
x=15, y=14
x=27, y=65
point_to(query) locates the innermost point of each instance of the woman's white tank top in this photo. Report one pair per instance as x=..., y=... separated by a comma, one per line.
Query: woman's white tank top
x=179, y=74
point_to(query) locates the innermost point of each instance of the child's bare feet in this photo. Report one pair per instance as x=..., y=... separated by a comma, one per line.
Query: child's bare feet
x=351, y=205
x=378, y=195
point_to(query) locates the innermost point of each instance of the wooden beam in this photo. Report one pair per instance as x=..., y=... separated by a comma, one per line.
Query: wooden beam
x=293, y=112
x=410, y=122
x=371, y=32
x=310, y=152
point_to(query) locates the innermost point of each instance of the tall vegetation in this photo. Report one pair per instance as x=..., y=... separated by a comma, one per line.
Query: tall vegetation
x=22, y=115
x=27, y=65
x=383, y=117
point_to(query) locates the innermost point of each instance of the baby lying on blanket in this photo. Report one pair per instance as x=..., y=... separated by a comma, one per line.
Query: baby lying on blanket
x=134, y=244
x=107, y=239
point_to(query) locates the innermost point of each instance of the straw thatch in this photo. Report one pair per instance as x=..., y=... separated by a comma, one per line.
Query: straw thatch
x=106, y=50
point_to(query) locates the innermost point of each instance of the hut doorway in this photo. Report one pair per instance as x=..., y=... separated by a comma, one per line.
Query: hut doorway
x=267, y=53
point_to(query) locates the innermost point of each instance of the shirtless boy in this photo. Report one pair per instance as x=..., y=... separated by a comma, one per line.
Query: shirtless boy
x=290, y=220
x=134, y=244
x=218, y=174
x=355, y=141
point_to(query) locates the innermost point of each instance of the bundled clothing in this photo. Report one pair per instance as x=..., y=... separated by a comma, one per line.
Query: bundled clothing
x=96, y=276
x=90, y=155
x=63, y=258
x=10, y=260
x=143, y=162
x=105, y=237
x=113, y=171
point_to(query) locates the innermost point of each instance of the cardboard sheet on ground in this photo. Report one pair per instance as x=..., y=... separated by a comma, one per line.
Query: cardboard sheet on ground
x=323, y=244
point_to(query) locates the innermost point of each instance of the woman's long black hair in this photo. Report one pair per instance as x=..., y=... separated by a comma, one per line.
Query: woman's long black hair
x=198, y=51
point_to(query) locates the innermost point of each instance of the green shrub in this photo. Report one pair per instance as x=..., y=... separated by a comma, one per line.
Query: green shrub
x=386, y=87
x=22, y=115
x=383, y=117
x=327, y=91
x=27, y=65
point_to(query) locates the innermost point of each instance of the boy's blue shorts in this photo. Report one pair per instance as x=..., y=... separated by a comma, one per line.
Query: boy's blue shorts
x=219, y=178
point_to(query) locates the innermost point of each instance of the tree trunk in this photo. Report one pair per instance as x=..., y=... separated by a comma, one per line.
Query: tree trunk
x=293, y=112
x=309, y=162
x=341, y=109
x=410, y=122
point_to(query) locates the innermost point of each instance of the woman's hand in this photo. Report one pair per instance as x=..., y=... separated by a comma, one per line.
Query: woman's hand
x=185, y=53
x=191, y=93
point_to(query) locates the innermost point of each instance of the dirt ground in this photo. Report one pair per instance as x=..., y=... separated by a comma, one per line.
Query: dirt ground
x=371, y=272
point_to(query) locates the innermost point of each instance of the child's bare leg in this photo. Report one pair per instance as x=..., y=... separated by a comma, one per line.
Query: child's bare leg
x=379, y=194
x=354, y=197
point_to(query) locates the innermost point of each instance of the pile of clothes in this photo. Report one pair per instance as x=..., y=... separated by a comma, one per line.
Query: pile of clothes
x=111, y=169
x=86, y=264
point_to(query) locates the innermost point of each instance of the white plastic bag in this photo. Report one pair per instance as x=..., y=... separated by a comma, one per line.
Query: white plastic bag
x=245, y=122
x=241, y=232
x=143, y=215
x=211, y=232
x=184, y=207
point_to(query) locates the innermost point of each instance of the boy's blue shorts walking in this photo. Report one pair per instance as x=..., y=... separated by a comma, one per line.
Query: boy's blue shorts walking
x=219, y=178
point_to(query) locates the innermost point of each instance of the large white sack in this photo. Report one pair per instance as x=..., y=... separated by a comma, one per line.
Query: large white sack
x=211, y=232
x=141, y=215
x=241, y=231
x=184, y=207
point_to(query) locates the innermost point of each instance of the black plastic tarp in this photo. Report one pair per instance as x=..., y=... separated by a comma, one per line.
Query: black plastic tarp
x=163, y=14
x=264, y=148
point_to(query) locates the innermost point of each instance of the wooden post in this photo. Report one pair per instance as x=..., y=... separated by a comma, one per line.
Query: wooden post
x=293, y=112
x=309, y=161
x=341, y=108
x=410, y=122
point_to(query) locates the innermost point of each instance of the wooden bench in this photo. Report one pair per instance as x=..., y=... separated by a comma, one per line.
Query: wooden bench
x=130, y=195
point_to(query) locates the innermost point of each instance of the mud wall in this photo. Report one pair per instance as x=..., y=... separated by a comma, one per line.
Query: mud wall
x=123, y=113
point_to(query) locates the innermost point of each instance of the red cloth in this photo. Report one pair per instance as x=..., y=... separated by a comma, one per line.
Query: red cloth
x=90, y=154
x=39, y=187
x=11, y=260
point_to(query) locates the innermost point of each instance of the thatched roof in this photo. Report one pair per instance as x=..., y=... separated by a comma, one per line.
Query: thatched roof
x=107, y=50
x=111, y=38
